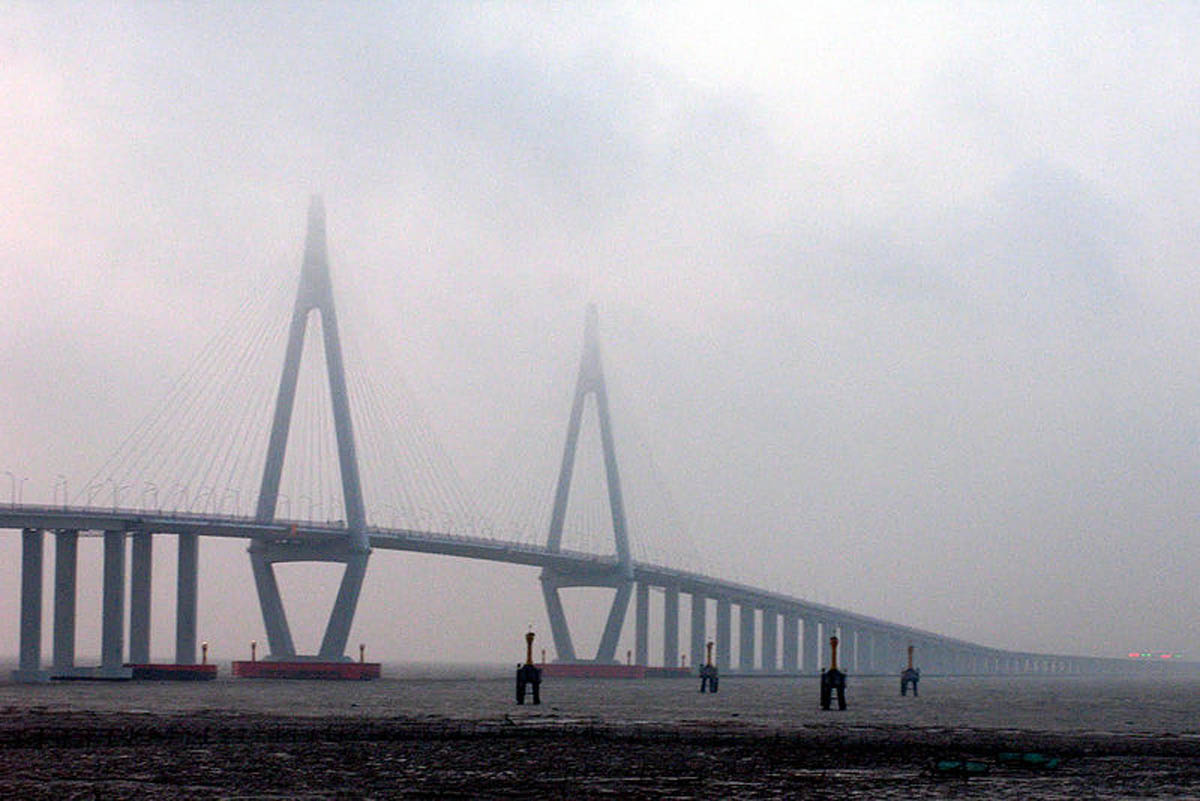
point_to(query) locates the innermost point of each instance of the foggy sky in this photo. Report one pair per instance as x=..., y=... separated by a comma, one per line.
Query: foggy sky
x=900, y=300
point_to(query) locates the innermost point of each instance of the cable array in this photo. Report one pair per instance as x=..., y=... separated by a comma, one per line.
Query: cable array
x=522, y=497
x=664, y=535
x=194, y=452
x=203, y=447
x=409, y=481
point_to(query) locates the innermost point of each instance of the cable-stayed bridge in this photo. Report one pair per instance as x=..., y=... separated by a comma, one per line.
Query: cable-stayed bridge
x=297, y=491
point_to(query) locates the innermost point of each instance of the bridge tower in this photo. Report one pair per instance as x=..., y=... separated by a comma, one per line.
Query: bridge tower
x=620, y=577
x=315, y=293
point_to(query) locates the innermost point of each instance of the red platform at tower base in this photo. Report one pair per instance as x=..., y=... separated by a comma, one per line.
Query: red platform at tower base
x=592, y=670
x=335, y=671
x=171, y=672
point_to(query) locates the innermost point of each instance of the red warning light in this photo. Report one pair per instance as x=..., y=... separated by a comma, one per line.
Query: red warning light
x=1165, y=656
x=1134, y=655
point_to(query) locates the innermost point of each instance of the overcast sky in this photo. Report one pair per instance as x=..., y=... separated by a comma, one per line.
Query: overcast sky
x=898, y=298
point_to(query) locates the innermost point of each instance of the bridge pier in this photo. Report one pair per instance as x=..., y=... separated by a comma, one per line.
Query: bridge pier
x=671, y=627
x=791, y=643
x=724, y=635
x=866, y=651
x=112, y=634
x=809, y=646
x=746, y=639
x=66, y=562
x=141, y=561
x=641, y=625
x=29, y=666
x=770, y=640
x=849, y=646
x=699, y=629
x=185, y=599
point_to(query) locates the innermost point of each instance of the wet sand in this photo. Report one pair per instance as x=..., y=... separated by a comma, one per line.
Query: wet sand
x=463, y=736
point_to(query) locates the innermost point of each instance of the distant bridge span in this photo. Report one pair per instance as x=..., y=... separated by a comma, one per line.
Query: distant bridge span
x=776, y=632
x=871, y=645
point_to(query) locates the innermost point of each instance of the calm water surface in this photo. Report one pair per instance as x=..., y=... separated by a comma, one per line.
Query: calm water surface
x=1133, y=706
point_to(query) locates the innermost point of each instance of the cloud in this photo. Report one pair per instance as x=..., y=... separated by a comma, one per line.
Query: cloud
x=916, y=283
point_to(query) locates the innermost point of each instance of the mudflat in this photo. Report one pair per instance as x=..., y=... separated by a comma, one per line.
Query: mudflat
x=463, y=736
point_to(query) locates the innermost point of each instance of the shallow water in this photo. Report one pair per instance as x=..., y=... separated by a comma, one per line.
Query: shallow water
x=1167, y=706
x=634, y=738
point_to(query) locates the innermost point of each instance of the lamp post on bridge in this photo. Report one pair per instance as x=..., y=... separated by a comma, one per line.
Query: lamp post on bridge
x=60, y=479
x=12, y=488
x=308, y=498
x=206, y=494
x=150, y=488
x=116, y=492
x=395, y=513
x=180, y=496
x=236, y=499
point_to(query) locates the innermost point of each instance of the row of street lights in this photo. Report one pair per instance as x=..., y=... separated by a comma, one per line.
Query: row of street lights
x=207, y=496
x=16, y=489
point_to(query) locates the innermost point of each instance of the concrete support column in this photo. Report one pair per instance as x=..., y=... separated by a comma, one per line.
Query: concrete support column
x=724, y=635
x=809, y=650
x=849, y=651
x=828, y=629
x=29, y=666
x=66, y=561
x=185, y=599
x=671, y=627
x=699, y=631
x=867, y=641
x=641, y=625
x=746, y=638
x=770, y=640
x=791, y=643
x=112, y=639
x=141, y=557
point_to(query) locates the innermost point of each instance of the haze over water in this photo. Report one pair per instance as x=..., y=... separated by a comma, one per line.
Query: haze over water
x=1123, y=706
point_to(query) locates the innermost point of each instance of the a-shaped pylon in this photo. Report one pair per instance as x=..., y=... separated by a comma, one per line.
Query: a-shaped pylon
x=589, y=382
x=315, y=293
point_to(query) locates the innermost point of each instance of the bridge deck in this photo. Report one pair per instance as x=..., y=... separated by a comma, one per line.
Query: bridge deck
x=568, y=563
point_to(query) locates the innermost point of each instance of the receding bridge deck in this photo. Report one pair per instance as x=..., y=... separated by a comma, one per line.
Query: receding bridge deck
x=874, y=643
x=776, y=632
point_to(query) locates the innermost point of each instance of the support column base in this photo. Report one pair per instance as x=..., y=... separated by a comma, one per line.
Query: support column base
x=310, y=669
x=30, y=676
x=161, y=671
x=94, y=674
